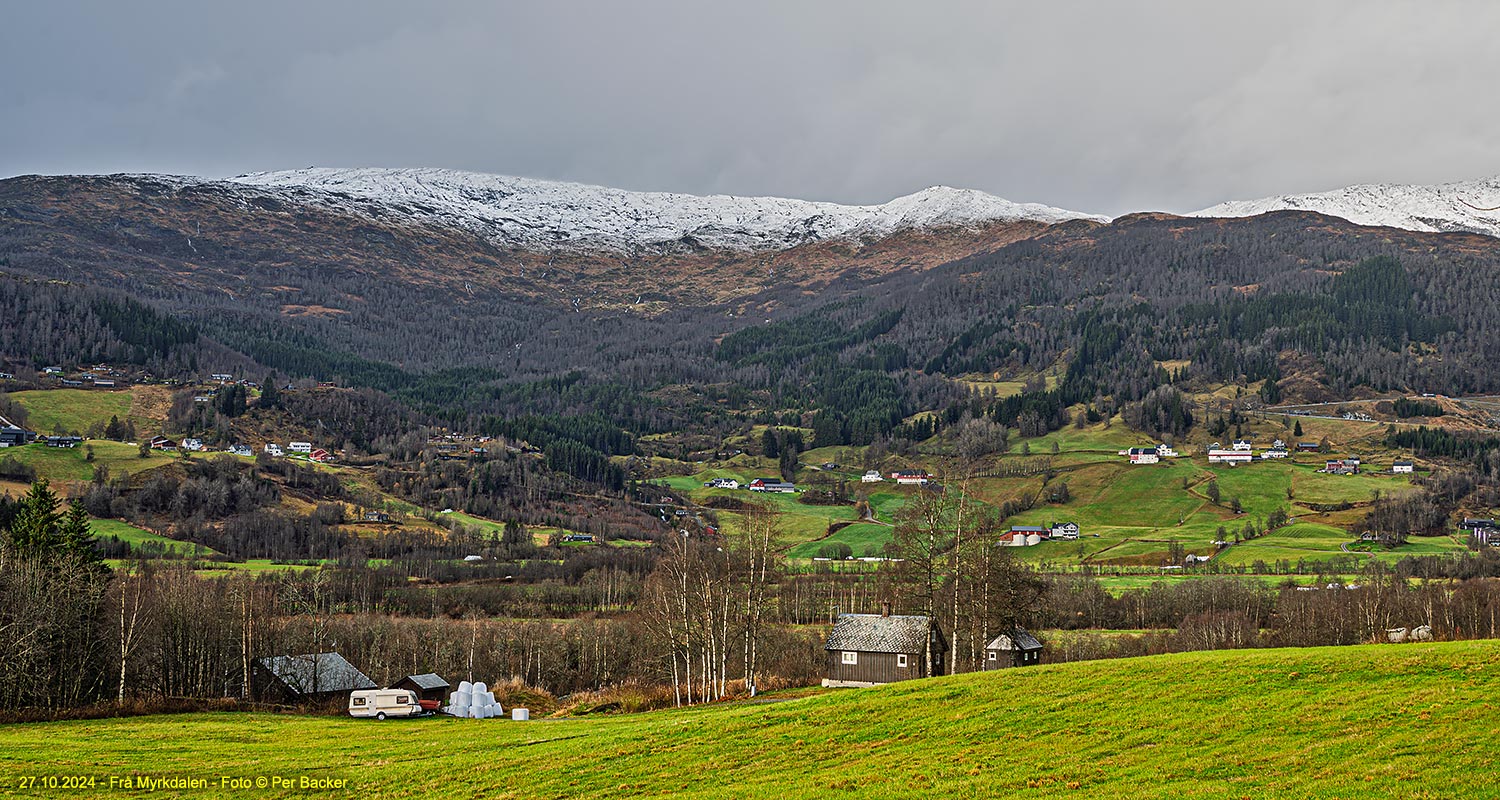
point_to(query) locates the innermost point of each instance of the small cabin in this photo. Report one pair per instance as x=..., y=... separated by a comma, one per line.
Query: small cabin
x=1013, y=648
x=871, y=649
x=428, y=686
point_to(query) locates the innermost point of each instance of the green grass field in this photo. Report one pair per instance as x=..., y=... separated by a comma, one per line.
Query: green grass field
x=1370, y=721
x=137, y=537
x=48, y=410
x=864, y=538
x=66, y=464
x=1129, y=515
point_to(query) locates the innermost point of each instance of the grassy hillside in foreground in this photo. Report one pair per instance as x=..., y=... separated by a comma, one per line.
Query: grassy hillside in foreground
x=1367, y=721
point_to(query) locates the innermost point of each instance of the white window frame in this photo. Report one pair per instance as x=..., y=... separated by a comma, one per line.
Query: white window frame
x=850, y=657
x=994, y=656
x=901, y=660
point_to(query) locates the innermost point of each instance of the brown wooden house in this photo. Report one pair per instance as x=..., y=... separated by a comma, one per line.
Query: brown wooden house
x=428, y=686
x=1013, y=648
x=871, y=649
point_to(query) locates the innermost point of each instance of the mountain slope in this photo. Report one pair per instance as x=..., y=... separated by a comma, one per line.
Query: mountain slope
x=1440, y=208
x=550, y=215
x=1358, y=721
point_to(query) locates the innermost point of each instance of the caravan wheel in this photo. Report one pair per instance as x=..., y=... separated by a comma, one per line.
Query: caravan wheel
x=380, y=716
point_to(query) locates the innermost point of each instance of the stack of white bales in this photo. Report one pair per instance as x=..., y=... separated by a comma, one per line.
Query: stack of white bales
x=473, y=700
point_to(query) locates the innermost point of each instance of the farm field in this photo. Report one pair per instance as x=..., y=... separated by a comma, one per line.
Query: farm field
x=1138, y=512
x=137, y=537
x=863, y=538
x=1130, y=515
x=1369, y=721
x=254, y=566
x=62, y=465
x=50, y=410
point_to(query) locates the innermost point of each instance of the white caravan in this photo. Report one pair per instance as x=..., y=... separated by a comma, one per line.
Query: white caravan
x=382, y=703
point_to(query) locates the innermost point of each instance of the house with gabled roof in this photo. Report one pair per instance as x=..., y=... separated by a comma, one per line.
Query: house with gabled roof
x=871, y=649
x=304, y=678
x=1012, y=648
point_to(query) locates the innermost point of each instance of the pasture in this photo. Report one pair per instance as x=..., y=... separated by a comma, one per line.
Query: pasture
x=1368, y=721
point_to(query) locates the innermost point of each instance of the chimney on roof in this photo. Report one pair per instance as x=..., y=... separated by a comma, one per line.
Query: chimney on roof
x=885, y=608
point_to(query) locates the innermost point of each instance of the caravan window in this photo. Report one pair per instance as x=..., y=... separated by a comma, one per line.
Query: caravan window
x=851, y=657
x=358, y=701
x=400, y=699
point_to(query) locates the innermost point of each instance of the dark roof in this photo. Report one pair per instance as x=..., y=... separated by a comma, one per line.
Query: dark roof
x=427, y=680
x=333, y=673
x=1015, y=639
x=873, y=633
x=1028, y=529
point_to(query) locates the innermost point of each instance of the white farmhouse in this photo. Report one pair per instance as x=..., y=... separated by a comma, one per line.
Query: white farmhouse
x=873, y=476
x=300, y=447
x=1230, y=457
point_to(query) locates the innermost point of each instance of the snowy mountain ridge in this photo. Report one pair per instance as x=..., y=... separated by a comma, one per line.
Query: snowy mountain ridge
x=1446, y=207
x=539, y=214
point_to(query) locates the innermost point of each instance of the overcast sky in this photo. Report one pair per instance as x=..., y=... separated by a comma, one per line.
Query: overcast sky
x=1106, y=107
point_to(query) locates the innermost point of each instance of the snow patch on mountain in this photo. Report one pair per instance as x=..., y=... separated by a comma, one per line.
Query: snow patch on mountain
x=1440, y=208
x=538, y=214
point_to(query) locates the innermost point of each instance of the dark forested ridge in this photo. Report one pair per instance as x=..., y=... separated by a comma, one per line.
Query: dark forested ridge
x=182, y=278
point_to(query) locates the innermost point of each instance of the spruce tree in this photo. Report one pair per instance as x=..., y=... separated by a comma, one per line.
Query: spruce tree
x=36, y=522
x=74, y=534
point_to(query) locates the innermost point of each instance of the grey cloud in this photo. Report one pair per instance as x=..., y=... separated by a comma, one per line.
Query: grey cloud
x=1105, y=107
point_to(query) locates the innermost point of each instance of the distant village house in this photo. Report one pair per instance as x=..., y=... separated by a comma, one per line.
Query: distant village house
x=1013, y=648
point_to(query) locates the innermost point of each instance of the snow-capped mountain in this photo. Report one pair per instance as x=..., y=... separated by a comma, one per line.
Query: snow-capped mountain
x=537, y=214
x=1444, y=207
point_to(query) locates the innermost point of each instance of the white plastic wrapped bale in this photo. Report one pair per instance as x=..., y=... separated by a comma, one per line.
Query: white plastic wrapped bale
x=479, y=688
x=465, y=687
x=520, y=714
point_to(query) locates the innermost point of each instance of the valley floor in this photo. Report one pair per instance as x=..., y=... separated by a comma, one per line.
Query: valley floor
x=1366, y=721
